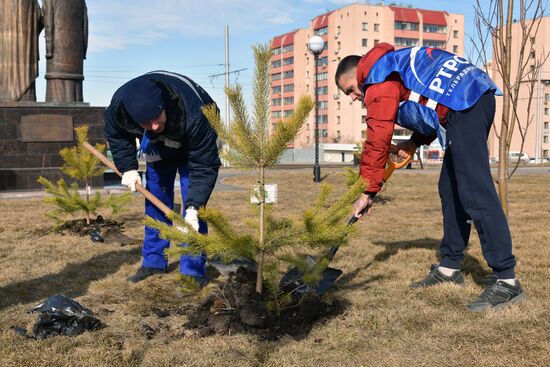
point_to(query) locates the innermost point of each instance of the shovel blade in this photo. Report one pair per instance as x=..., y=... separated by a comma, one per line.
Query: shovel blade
x=328, y=278
x=293, y=281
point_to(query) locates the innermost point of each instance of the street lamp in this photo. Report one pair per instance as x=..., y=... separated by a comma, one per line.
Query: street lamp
x=316, y=45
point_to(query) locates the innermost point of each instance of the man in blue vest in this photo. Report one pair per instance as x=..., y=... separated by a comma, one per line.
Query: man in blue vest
x=440, y=95
x=163, y=110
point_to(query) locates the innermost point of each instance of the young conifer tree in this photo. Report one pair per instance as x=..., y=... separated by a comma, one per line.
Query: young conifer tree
x=81, y=165
x=252, y=145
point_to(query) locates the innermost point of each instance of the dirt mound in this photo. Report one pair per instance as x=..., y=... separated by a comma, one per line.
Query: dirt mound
x=237, y=308
x=109, y=230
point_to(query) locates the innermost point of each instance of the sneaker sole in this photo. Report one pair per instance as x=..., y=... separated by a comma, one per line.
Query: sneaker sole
x=520, y=298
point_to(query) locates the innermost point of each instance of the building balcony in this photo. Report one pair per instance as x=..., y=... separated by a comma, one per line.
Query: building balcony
x=435, y=36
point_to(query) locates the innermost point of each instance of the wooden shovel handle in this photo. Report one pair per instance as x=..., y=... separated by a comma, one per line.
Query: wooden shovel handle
x=142, y=190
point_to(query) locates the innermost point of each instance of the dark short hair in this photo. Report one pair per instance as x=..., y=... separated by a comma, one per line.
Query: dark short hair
x=346, y=64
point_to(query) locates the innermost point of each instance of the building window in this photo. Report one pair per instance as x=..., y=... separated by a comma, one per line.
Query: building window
x=321, y=31
x=276, y=90
x=288, y=48
x=433, y=43
x=276, y=51
x=365, y=26
x=545, y=139
x=455, y=49
x=288, y=100
x=276, y=114
x=363, y=120
x=455, y=34
x=322, y=90
x=322, y=76
x=323, y=119
x=545, y=125
x=288, y=61
x=545, y=153
x=406, y=26
x=364, y=42
x=324, y=133
x=376, y=42
x=276, y=63
x=322, y=61
x=546, y=98
x=338, y=45
x=288, y=74
x=337, y=120
x=545, y=111
x=276, y=76
x=338, y=107
x=432, y=28
x=363, y=134
x=322, y=105
x=376, y=27
x=288, y=113
x=288, y=88
x=337, y=30
x=400, y=41
x=276, y=101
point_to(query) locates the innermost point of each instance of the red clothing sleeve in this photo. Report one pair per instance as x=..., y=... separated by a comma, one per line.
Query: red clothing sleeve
x=382, y=102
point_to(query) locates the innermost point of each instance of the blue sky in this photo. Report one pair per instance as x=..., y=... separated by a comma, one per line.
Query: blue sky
x=131, y=37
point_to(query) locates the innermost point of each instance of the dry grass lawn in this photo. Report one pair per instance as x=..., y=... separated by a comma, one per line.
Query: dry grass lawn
x=385, y=323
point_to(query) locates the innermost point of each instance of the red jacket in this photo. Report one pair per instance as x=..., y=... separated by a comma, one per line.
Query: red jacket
x=382, y=101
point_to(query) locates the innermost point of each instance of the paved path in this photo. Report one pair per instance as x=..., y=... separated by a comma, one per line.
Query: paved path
x=224, y=174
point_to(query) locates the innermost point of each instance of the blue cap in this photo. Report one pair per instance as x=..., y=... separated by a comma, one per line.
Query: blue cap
x=142, y=99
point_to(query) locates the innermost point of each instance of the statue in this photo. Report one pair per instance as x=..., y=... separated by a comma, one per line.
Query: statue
x=20, y=25
x=66, y=24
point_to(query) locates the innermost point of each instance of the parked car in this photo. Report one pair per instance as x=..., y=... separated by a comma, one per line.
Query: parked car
x=514, y=156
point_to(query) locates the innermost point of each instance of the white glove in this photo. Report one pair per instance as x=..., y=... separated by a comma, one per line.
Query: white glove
x=192, y=218
x=130, y=179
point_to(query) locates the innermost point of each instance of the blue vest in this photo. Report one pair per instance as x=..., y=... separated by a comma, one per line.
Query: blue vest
x=440, y=76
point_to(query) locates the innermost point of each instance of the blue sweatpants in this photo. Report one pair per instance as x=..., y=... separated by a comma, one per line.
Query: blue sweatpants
x=160, y=182
x=468, y=192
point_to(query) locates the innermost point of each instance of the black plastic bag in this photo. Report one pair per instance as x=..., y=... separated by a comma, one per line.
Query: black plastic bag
x=59, y=315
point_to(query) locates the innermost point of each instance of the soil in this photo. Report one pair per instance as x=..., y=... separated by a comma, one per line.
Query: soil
x=107, y=229
x=237, y=308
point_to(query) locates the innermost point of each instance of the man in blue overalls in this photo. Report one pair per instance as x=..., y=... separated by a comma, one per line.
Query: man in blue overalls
x=163, y=110
x=437, y=94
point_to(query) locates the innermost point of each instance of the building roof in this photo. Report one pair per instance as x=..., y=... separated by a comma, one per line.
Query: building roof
x=283, y=40
x=433, y=17
x=408, y=15
x=321, y=21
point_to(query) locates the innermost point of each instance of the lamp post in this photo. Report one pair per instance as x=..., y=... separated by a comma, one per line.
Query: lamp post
x=316, y=45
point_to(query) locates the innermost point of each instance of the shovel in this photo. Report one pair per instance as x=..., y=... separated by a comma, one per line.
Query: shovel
x=142, y=190
x=221, y=267
x=292, y=281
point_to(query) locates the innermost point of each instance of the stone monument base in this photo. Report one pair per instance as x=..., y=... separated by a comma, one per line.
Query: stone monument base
x=33, y=133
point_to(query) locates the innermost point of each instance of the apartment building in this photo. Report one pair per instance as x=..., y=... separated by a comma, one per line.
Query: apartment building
x=538, y=115
x=352, y=29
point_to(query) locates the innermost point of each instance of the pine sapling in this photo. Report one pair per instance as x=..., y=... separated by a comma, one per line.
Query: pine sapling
x=271, y=241
x=82, y=166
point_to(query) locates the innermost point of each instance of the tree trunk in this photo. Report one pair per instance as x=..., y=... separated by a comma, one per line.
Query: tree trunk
x=88, y=189
x=261, y=199
x=504, y=142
